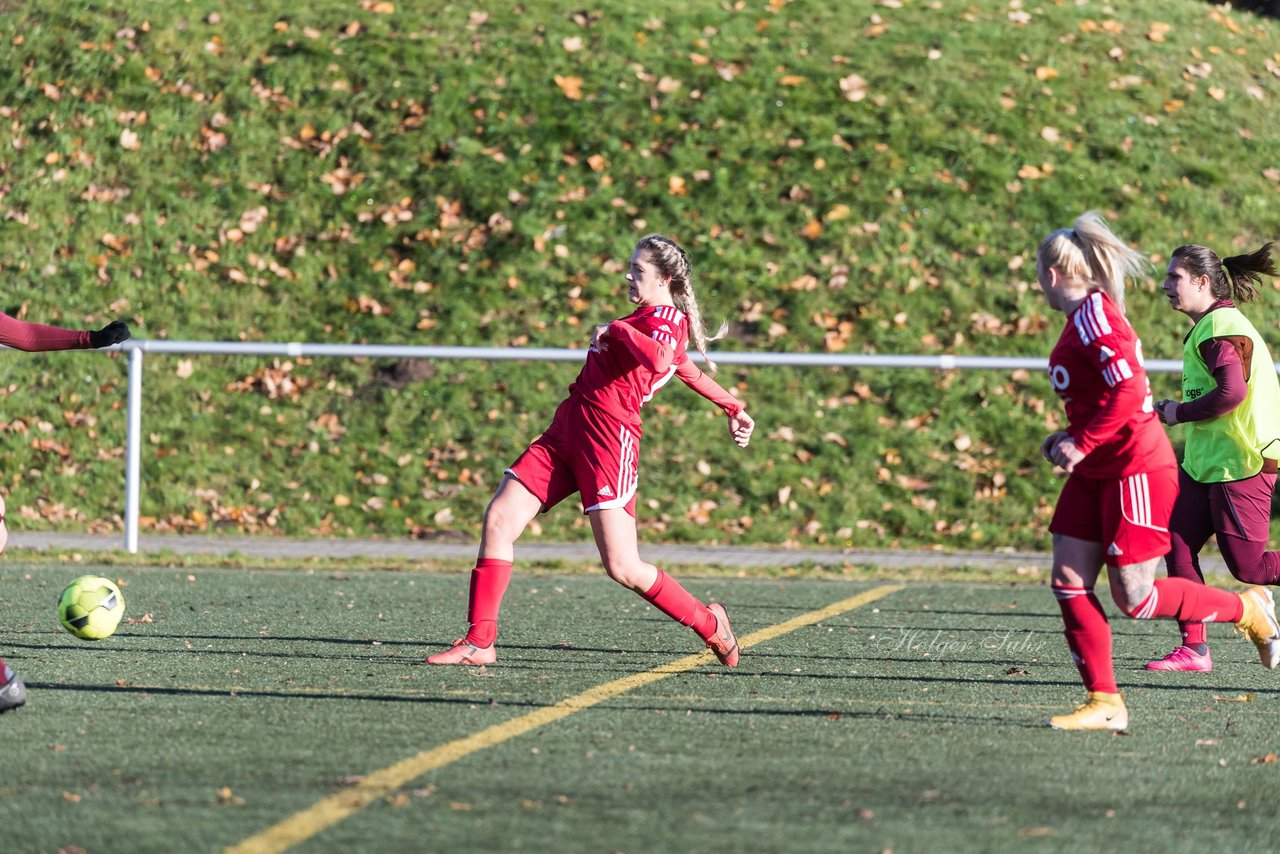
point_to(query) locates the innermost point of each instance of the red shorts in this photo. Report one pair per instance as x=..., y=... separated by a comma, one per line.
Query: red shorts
x=1129, y=514
x=583, y=451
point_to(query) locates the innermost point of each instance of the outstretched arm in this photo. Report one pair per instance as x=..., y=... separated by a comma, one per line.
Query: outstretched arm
x=740, y=423
x=694, y=378
x=32, y=337
x=37, y=337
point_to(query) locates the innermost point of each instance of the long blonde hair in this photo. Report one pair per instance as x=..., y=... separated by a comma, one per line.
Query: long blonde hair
x=1090, y=253
x=673, y=263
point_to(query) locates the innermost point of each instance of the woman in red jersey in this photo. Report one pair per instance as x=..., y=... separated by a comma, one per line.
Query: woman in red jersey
x=1122, y=475
x=35, y=337
x=1231, y=406
x=593, y=448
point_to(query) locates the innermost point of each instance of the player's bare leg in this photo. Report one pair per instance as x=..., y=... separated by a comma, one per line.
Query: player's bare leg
x=615, y=533
x=510, y=511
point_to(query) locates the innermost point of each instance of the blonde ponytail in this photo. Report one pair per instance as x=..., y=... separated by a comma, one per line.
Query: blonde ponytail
x=1090, y=253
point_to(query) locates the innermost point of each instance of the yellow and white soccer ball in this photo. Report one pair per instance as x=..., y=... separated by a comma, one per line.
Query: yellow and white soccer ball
x=91, y=607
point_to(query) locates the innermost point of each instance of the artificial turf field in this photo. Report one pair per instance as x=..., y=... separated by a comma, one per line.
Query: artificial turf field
x=277, y=710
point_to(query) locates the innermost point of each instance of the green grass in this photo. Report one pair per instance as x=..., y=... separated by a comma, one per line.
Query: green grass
x=912, y=723
x=491, y=208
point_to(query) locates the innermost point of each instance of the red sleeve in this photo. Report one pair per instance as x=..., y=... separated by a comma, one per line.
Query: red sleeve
x=1222, y=358
x=1118, y=406
x=655, y=352
x=33, y=337
x=1116, y=357
x=695, y=379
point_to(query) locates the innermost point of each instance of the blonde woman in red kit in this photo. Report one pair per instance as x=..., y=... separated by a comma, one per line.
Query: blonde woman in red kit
x=593, y=448
x=1122, y=476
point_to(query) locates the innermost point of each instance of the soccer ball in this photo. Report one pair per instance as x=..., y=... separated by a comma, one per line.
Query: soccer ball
x=91, y=607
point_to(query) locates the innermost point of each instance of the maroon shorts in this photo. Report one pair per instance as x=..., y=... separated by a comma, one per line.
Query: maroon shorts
x=583, y=451
x=1236, y=508
x=1130, y=515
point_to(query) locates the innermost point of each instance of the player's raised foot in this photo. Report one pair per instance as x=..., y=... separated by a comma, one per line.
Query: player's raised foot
x=1100, y=711
x=13, y=693
x=723, y=643
x=1258, y=624
x=463, y=652
x=1184, y=658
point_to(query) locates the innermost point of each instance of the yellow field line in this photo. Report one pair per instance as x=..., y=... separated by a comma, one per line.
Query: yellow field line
x=333, y=809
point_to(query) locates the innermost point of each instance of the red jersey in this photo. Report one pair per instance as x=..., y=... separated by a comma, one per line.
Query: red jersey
x=640, y=354
x=1096, y=368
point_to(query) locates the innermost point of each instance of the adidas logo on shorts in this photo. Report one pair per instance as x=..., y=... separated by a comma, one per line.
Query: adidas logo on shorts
x=605, y=491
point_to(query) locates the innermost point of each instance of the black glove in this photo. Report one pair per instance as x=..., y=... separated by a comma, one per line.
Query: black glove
x=113, y=333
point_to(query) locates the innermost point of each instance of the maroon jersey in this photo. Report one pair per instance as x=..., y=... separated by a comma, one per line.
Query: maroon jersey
x=639, y=355
x=1096, y=368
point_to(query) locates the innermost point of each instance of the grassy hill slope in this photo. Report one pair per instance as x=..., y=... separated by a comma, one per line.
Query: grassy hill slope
x=848, y=177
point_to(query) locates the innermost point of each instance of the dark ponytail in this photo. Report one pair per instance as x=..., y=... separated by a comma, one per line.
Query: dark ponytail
x=1235, y=278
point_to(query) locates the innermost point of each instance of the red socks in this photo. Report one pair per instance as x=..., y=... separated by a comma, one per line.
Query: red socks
x=679, y=604
x=1189, y=602
x=488, y=584
x=1088, y=637
x=1193, y=634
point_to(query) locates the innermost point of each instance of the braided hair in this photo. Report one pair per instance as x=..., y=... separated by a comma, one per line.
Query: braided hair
x=673, y=263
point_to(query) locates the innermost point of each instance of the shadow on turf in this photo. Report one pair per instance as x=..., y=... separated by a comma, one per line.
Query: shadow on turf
x=880, y=714
x=917, y=614
x=1069, y=684
x=237, y=653
x=531, y=662
x=394, y=658
x=366, y=641
x=283, y=695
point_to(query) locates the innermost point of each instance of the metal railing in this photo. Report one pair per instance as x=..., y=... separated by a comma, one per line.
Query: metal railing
x=136, y=348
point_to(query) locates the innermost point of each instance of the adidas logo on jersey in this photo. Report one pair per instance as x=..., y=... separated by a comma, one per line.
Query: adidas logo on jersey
x=605, y=491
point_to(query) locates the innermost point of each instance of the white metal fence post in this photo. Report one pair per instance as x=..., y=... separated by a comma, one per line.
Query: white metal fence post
x=133, y=438
x=133, y=451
